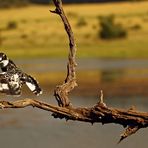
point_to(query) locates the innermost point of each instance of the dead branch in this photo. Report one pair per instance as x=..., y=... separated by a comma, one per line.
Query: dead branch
x=130, y=119
x=61, y=91
x=100, y=113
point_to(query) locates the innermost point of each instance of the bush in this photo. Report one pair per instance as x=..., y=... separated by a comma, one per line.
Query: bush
x=81, y=22
x=13, y=3
x=135, y=27
x=110, y=29
x=11, y=25
x=24, y=36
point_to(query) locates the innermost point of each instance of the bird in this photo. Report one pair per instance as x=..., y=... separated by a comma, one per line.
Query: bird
x=12, y=78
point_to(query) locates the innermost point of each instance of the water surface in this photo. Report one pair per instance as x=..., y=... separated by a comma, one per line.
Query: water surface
x=31, y=127
x=125, y=83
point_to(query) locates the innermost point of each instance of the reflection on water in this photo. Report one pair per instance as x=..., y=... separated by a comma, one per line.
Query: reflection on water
x=111, y=75
x=83, y=64
x=115, y=77
x=124, y=82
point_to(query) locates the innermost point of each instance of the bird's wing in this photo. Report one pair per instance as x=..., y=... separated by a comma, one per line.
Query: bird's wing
x=3, y=82
x=33, y=85
x=9, y=87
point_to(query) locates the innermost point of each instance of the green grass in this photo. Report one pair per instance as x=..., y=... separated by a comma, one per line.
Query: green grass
x=39, y=33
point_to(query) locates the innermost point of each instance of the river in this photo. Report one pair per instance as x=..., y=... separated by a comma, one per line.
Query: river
x=34, y=128
x=31, y=127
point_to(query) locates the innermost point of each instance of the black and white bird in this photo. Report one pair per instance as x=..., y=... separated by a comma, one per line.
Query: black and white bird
x=12, y=78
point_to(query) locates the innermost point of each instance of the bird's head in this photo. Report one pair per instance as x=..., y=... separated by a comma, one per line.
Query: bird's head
x=3, y=60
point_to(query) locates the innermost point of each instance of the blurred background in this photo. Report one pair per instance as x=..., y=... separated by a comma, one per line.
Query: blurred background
x=112, y=55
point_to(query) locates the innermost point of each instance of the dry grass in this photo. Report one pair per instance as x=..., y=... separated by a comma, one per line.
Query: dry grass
x=40, y=33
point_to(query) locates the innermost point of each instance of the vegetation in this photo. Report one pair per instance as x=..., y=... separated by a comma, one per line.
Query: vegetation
x=34, y=37
x=13, y=3
x=110, y=29
x=81, y=22
x=18, y=3
x=11, y=25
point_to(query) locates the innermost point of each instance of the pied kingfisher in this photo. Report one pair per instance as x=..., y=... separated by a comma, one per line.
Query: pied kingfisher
x=12, y=78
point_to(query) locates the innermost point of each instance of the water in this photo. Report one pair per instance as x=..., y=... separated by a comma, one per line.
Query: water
x=83, y=64
x=32, y=127
x=116, y=77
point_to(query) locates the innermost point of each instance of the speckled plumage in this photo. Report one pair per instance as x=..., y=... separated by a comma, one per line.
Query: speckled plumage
x=12, y=78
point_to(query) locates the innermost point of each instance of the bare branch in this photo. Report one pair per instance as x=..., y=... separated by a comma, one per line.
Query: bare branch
x=61, y=91
x=129, y=131
x=96, y=114
x=101, y=101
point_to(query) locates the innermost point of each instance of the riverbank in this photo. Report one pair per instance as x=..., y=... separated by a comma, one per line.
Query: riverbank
x=33, y=32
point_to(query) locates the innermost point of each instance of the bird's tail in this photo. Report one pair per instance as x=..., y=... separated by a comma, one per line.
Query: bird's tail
x=33, y=85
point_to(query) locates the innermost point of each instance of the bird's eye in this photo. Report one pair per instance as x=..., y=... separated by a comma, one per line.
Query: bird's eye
x=4, y=56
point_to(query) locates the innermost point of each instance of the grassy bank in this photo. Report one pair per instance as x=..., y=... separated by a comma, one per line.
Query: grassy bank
x=33, y=32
